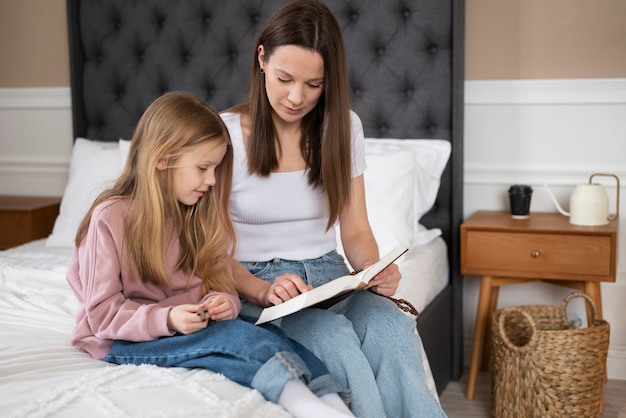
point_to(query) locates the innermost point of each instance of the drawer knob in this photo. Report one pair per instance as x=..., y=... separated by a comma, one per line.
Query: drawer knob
x=534, y=253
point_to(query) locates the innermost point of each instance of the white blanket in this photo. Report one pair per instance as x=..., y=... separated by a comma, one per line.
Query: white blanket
x=42, y=375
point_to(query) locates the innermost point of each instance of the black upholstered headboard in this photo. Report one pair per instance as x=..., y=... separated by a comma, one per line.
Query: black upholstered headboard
x=404, y=57
x=405, y=60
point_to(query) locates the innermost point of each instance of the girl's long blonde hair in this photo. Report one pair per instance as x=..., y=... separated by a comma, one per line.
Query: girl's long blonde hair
x=172, y=124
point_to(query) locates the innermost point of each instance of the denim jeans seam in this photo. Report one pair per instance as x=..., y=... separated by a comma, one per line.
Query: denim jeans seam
x=288, y=365
x=175, y=358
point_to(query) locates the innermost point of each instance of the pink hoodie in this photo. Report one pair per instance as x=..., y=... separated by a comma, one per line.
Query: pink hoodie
x=111, y=305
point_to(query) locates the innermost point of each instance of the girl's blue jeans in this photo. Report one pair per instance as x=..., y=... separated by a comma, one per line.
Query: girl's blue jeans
x=365, y=341
x=260, y=357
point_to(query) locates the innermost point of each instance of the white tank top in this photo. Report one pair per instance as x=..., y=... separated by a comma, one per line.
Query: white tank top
x=281, y=216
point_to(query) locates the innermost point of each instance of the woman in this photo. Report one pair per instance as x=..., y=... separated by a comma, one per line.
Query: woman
x=151, y=267
x=298, y=170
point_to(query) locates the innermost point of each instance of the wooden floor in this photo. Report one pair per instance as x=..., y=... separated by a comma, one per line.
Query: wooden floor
x=456, y=406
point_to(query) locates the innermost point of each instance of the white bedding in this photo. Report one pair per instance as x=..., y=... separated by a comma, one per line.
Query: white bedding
x=41, y=374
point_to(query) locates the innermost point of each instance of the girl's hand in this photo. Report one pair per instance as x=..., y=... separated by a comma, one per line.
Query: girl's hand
x=285, y=287
x=219, y=308
x=184, y=319
x=387, y=281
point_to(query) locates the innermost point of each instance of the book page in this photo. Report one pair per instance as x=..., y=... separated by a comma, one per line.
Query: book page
x=310, y=298
x=332, y=289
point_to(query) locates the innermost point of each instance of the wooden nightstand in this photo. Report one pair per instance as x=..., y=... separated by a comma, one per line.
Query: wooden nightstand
x=26, y=218
x=545, y=247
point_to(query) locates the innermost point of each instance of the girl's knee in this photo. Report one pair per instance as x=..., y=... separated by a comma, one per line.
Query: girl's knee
x=267, y=339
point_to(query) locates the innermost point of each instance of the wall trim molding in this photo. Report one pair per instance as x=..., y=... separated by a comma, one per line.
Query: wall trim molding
x=35, y=98
x=561, y=175
x=477, y=92
x=45, y=176
x=554, y=91
x=34, y=165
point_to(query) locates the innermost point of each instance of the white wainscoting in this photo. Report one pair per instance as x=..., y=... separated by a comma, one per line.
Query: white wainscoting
x=35, y=140
x=522, y=131
x=557, y=132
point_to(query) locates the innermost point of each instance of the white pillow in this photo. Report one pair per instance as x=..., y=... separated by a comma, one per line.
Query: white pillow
x=124, y=149
x=94, y=166
x=389, y=183
x=401, y=185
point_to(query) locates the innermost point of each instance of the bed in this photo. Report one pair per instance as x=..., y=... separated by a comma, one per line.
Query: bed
x=405, y=60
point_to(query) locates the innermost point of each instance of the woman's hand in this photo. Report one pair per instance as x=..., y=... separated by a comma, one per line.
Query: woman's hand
x=285, y=287
x=387, y=281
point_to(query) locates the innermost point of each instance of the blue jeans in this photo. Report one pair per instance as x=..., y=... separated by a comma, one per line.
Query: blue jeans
x=365, y=341
x=259, y=357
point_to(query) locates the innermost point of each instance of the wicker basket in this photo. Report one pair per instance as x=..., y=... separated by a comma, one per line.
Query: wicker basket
x=542, y=367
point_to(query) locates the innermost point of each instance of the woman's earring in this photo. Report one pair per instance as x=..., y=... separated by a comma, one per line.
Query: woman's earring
x=261, y=70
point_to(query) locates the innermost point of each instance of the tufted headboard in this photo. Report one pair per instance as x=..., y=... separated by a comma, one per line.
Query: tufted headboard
x=405, y=60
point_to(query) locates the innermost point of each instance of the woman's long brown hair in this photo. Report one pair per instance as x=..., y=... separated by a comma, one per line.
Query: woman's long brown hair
x=326, y=141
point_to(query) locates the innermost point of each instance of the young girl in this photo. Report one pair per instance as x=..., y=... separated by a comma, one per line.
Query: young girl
x=298, y=170
x=151, y=267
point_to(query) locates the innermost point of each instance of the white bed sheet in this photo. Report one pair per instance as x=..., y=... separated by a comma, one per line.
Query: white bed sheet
x=425, y=273
x=41, y=374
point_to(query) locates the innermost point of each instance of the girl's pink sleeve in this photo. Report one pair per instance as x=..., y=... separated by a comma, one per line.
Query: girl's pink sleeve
x=109, y=313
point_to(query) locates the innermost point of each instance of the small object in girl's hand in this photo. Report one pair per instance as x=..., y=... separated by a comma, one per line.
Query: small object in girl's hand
x=202, y=313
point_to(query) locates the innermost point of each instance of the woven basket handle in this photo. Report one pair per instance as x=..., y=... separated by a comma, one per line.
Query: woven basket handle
x=584, y=295
x=508, y=310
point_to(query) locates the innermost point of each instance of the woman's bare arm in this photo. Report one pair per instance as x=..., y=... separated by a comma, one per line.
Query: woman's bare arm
x=264, y=294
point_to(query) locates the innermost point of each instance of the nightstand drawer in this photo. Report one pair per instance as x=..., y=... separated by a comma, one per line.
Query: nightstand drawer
x=537, y=255
x=26, y=218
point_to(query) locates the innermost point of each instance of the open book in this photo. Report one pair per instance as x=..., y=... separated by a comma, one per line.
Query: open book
x=332, y=292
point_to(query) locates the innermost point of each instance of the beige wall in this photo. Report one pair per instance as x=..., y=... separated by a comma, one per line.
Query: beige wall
x=538, y=39
x=33, y=44
x=512, y=39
